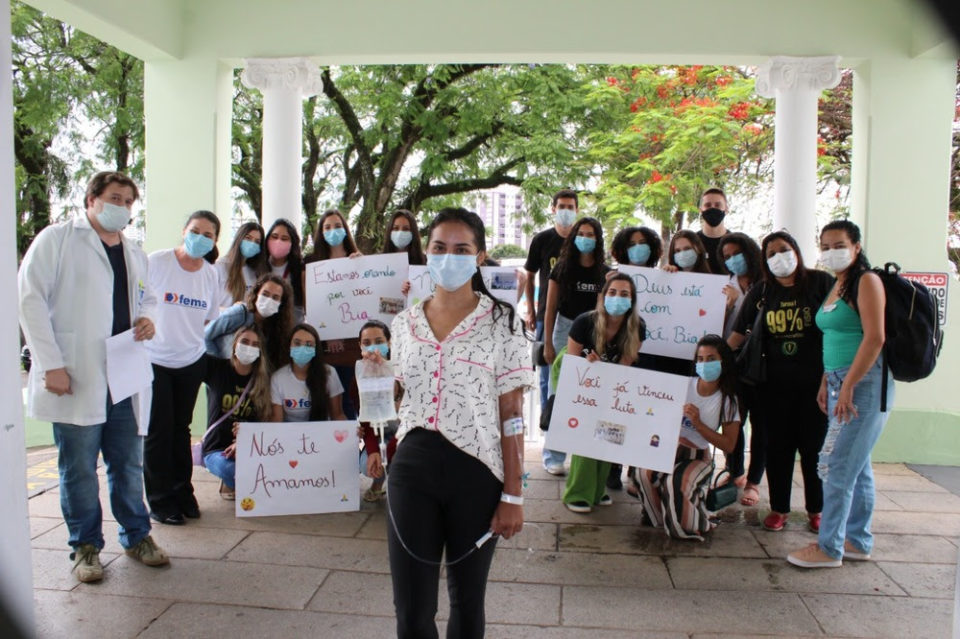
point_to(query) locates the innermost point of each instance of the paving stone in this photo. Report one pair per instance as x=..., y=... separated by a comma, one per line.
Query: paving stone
x=495, y=631
x=699, y=573
x=880, y=617
x=375, y=527
x=887, y=547
x=41, y=525
x=909, y=523
x=213, y=581
x=724, y=541
x=547, y=567
x=734, y=611
x=892, y=469
x=46, y=504
x=544, y=488
x=367, y=555
x=911, y=482
x=329, y=524
x=924, y=501
x=937, y=581
x=623, y=511
x=80, y=615
x=52, y=568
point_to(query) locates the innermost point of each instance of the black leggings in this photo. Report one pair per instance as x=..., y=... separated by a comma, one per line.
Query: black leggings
x=750, y=407
x=440, y=499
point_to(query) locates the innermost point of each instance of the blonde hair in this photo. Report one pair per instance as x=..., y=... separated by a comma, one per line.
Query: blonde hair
x=259, y=393
x=628, y=338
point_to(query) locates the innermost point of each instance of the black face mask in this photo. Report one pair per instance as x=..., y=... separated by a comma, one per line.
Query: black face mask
x=713, y=217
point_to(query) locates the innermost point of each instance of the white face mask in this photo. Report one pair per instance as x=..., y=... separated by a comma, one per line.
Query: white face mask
x=782, y=264
x=837, y=260
x=112, y=217
x=267, y=306
x=246, y=354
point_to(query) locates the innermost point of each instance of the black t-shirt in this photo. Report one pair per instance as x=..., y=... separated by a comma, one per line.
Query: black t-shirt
x=541, y=258
x=121, y=301
x=224, y=387
x=712, y=244
x=792, y=342
x=583, y=286
x=583, y=332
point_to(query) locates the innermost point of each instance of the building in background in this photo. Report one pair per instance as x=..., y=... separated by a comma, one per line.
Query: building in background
x=503, y=215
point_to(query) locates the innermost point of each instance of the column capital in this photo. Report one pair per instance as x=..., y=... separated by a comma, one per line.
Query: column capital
x=783, y=73
x=283, y=73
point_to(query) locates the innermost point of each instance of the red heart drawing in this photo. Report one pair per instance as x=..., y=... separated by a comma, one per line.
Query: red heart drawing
x=702, y=312
x=293, y=463
x=340, y=435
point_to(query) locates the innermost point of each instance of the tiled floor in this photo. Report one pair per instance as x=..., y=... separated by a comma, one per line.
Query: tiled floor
x=600, y=576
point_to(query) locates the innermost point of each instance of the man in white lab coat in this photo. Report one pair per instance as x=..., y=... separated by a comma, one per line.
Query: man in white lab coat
x=82, y=281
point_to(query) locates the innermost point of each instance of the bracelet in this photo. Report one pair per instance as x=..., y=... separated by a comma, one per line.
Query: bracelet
x=516, y=500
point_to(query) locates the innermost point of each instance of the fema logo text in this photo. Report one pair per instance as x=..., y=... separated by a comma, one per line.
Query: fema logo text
x=182, y=300
x=297, y=403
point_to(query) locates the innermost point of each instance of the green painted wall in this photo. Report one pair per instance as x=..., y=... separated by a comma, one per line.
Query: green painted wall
x=920, y=437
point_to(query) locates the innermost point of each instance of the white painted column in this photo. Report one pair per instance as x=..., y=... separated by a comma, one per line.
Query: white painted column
x=796, y=83
x=284, y=83
x=16, y=583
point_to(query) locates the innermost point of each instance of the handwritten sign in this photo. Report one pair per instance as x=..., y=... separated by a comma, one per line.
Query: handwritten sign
x=297, y=468
x=344, y=293
x=679, y=308
x=501, y=281
x=617, y=413
x=937, y=283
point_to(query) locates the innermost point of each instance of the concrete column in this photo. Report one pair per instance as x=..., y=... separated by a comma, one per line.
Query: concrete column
x=16, y=584
x=796, y=83
x=284, y=83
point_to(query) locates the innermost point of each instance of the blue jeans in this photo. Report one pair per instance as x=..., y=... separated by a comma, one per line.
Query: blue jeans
x=561, y=330
x=122, y=449
x=544, y=373
x=225, y=469
x=848, y=494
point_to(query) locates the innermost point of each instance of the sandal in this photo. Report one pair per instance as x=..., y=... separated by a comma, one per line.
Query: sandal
x=751, y=496
x=373, y=494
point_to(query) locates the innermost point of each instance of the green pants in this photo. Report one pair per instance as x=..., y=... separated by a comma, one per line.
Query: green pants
x=586, y=481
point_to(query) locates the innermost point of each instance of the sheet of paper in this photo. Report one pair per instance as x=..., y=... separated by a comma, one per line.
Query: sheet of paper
x=128, y=366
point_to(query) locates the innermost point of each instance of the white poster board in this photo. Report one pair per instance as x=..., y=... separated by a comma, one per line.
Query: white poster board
x=501, y=281
x=296, y=468
x=679, y=308
x=617, y=413
x=937, y=283
x=344, y=293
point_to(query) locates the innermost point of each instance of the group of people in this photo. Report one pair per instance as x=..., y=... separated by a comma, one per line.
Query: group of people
x=462, y=362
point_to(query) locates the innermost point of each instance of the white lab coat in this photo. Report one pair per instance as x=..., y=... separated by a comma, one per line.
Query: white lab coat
x=66, y=301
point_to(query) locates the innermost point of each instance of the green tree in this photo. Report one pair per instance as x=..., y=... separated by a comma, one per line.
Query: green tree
x=504, y=251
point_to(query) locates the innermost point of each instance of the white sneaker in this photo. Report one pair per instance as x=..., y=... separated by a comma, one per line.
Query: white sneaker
x=86, y=563
x=555, y=468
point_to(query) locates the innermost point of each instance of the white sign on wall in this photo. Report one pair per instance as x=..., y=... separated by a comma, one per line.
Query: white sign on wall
x=501, y=281
x=342, y=294
x=295, y=468
x=679, y=308
x=937, y=283
x=617, y=413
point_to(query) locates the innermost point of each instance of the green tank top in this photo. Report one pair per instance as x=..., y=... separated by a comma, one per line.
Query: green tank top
x=842, y=334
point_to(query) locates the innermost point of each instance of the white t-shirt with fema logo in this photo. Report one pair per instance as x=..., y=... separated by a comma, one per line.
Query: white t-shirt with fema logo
x=294, y=396
x=186, y=301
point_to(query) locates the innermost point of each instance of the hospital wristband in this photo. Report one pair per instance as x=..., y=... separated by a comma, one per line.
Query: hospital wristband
x=515, y=500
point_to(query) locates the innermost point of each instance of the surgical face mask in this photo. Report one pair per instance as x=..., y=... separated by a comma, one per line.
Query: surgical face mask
x=383, y=349
x=585, y=244
x=616, y=305
x=334, y=237
x=638, y=254
x=713, y=216
x=246, y=354
x=279, y=249
x=449, y=271
x=401, y=239
x=267, y=306
x=566, y=217
x=112, y=217
x=197, y=245
x=837, y=260
x=782, y=264
x=249, y=248
x=709, y=371
x=737, y=264
x=301, y=355
x=686, y=258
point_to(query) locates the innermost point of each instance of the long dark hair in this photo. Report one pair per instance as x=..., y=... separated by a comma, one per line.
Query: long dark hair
x=294, y=259
x=701, y=265
x=236, y=286
x=621, y=242
x=799, y=276
x=213, y=219
x=633, y=329
x=570, y=255
x=851, y=281
x=473, y=221
x=321, y=249
x=414, y=250
x=750, y=251
x=276, y=327
x=728, y=373
x=316, y=376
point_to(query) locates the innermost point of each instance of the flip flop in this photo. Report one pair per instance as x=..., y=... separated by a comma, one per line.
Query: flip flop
x=751, y=496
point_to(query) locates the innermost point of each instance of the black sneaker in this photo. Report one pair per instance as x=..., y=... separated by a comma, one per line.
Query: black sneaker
x=613, y=479
x=171, y=519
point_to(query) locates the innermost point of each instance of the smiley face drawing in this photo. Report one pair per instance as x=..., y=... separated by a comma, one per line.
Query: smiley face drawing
x=247, y=503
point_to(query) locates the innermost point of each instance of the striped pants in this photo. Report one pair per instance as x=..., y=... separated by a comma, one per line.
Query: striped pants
x=676, y=501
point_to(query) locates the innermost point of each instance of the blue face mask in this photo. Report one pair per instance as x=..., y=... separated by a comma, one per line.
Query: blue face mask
x=249, y=248
x=301, y=355
x=709, y=371
x=197, y=245
x=685, y=258
x=334, y=237
x=383, y=349
x=401, y=239
x=737, y=264
x=616, y=305
x=113, y=218
x=566, y=217
x=638, y=254
x=449, y=271
x=585, y=244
